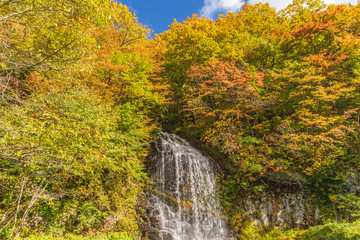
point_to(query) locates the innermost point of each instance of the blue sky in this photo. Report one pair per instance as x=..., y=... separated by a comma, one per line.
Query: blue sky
x=159, y=14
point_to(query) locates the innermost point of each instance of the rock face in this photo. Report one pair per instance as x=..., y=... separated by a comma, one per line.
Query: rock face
x=353, y=182
x=285, y=203
x=281, y=208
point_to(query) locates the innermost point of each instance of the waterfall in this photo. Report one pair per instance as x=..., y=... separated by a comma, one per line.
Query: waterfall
x=183, y=200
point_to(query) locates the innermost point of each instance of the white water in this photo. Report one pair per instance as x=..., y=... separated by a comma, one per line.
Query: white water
x=185, y=204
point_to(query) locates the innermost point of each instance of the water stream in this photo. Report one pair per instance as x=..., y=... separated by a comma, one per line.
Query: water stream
x=184, y=201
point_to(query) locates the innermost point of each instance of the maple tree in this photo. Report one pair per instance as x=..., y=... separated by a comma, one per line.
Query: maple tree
x=277, y=91
x=274, y=92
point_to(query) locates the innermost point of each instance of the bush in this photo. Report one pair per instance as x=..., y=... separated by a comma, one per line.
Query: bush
x=332, y=231
x=99, y=236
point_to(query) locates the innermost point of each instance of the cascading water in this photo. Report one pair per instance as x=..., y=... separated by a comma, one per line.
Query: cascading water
x=183, y=200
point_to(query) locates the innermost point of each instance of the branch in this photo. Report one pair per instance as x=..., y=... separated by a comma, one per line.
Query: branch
x=57, y=51
x=14, y=217
x=35, y=197
x=14, y=14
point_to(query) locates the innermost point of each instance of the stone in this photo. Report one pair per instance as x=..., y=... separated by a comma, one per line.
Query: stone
x=270, y=209
x=265, y=219
x=248, y=202
x=257, y=222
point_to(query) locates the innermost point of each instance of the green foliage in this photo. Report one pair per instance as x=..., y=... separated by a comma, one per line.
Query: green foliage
x=250, y=232
x=335, y=231
x=72, y=140
x=332, y=231
x=348, y=206
x=28, y=43
x=109, y=236
x=271, y=91
x=72, y=149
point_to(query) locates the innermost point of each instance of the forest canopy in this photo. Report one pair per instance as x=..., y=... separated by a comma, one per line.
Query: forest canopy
x=82, y=94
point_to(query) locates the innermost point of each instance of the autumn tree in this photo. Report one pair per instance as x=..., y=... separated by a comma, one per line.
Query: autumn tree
x=72, y=148
x=272, y=91
x=39, y=35
x=318, y=101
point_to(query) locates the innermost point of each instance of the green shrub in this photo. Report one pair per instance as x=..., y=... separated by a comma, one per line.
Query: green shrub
x=348, y=206
x=332, y=231
x=99, y=236
x=67, y=162
x=250, y=232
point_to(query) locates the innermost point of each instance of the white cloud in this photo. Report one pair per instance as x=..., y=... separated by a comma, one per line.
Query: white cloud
x=277, y=4
x=353, y=2
x=284, y=3
x=211, y=7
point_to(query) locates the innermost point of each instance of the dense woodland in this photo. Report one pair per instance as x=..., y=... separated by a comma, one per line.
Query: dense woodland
x=84, y=88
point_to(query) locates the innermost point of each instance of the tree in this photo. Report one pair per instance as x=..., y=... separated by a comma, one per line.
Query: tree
x=28, y=43
x=72, y=148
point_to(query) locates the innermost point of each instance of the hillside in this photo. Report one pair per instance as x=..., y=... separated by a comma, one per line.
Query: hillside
x=269, y=94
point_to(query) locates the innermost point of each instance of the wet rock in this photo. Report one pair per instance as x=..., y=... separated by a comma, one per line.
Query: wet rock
x=182, y=203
